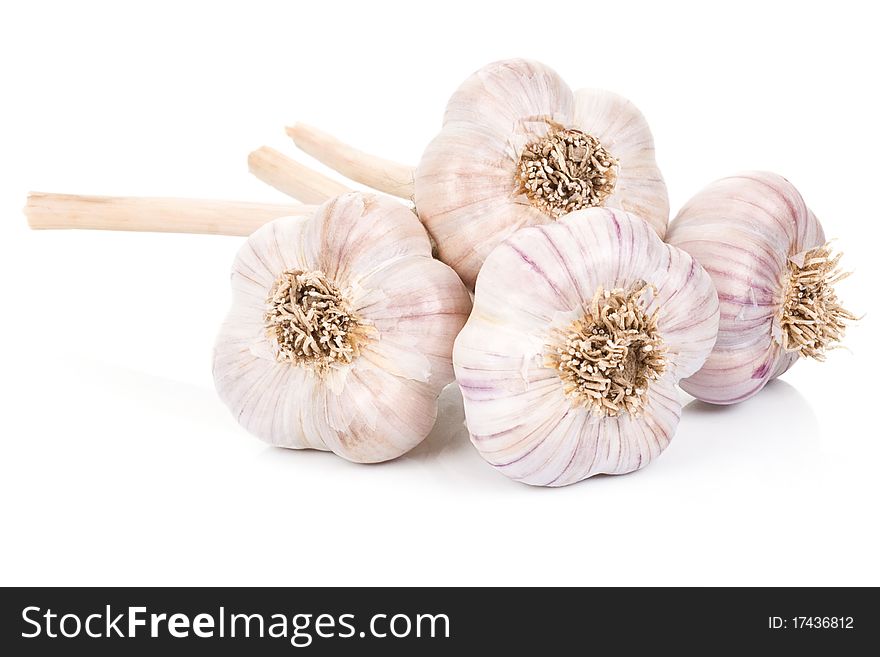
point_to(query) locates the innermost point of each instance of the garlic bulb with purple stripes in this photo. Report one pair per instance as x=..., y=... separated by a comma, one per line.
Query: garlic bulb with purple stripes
x=519, y=148
x=341, y=330
x=581, y=329
x=775, y=274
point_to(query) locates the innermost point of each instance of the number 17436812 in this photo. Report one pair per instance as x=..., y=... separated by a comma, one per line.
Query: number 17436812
x=811, y=623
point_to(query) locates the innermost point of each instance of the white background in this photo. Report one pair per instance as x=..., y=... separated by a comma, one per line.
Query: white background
x=120, y=466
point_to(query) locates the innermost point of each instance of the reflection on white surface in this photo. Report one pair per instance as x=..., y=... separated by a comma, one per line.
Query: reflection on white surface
x=155, y=472
x=449, y=435
x=775, y=432
x=775, y=429
x=771, y=433
x=446, y=455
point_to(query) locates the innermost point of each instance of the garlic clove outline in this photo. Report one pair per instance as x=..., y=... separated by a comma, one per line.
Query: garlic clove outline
x=502, y=94
x=752, y=232
x=521, y=417
x=491, y=170
x=362, y=265
x=618, y=123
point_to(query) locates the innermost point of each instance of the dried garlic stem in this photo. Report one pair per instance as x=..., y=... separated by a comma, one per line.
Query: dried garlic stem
x=292, y=178
x=376, y=172
x=166, y=215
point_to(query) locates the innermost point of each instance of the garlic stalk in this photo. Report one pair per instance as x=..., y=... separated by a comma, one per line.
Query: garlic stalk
x=517, y=148
x=341, y=330
x=169, y=215
x=292, y=178
x=176, y=215
x=376, y=172
x=580, y=330
x=775, y=274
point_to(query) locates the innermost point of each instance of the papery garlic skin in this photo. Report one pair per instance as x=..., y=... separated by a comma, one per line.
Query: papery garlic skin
x=535, y=284
x=465, y=183
x=746, y=231
x=409, y=308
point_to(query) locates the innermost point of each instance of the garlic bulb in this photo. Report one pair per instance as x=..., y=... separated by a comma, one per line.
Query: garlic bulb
x=519, y=148
x=775, y=274
x=580, y=331
x=341, y=330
